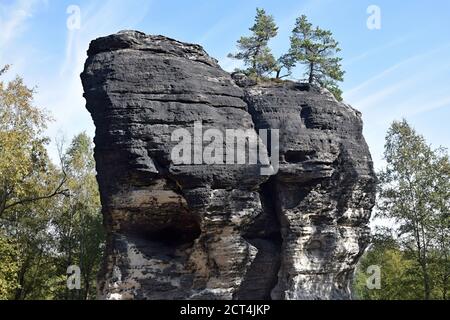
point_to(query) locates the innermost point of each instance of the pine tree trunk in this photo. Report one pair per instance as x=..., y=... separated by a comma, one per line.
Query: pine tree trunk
x=311, y=71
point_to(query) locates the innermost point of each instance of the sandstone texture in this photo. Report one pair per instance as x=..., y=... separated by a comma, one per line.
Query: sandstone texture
x=212, y=230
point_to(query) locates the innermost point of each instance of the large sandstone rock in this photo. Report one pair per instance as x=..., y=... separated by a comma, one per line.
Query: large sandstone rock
x=221, y=231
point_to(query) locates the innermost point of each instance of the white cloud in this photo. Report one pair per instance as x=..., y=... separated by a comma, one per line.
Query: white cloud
x=13, y=21
x=406, y=89
x=366, y=88
x=363, y=56
x=63, y=93
x=416, y=105
x=377, y=97
x=348, y=95
x=12, y=17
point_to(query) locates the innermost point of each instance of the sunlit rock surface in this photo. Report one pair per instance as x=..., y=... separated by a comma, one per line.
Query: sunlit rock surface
x=217, y=231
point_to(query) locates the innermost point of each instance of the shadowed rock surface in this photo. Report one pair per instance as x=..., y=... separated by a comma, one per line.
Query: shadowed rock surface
x=218, y=231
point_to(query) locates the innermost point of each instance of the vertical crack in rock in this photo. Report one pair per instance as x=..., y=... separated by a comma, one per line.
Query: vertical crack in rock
x=264, y=234
x=221, y=231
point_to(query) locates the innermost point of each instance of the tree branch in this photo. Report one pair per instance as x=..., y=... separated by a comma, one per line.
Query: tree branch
x=57, y=191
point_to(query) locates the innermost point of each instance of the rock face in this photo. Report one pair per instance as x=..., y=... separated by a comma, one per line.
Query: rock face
x=213, y=230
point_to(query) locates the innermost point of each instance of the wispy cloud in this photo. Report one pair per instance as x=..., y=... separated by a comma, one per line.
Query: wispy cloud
x=369, y=53
x=13, y=18
x=366, y=84
x=63, y=94
x=365, y=87
x=418, y=105
x=99, y=20
x=375, y=98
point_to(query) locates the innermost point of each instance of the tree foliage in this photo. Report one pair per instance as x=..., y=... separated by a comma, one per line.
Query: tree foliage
x=79, y=228
x=414, y=193
x=316, y=49
x=312, y=47
x=254, y=49
x=24, y=166
x=8, y=268
x=49, y=215
x=399, y=280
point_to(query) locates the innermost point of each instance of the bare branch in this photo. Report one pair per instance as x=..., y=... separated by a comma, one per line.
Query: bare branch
x=58, y=191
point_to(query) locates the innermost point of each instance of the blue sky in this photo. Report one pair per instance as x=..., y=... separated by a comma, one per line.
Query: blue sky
x=400, y=70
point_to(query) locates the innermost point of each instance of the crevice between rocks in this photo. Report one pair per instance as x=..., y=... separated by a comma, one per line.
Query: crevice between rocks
x=264, y=234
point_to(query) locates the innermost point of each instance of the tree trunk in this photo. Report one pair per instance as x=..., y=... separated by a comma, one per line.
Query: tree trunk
x=255, y=56
x=426, y=283
x=445, y=277
x=21, y=279
x=426, y=276
x=278, y=74
x=3, y=198
x=311, y=73
x=87, y=286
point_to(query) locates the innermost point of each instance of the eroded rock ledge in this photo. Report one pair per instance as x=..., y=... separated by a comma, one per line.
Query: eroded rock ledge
x=221, y=231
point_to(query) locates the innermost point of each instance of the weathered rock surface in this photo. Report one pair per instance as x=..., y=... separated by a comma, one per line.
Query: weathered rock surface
x=221, y=231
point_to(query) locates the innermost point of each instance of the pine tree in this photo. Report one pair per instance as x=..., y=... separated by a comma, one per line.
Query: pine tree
x=254, y=50
x=286, y=61
x=316, y=49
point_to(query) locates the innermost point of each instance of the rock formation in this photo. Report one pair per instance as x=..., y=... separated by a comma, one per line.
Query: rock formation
x=222, y=231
